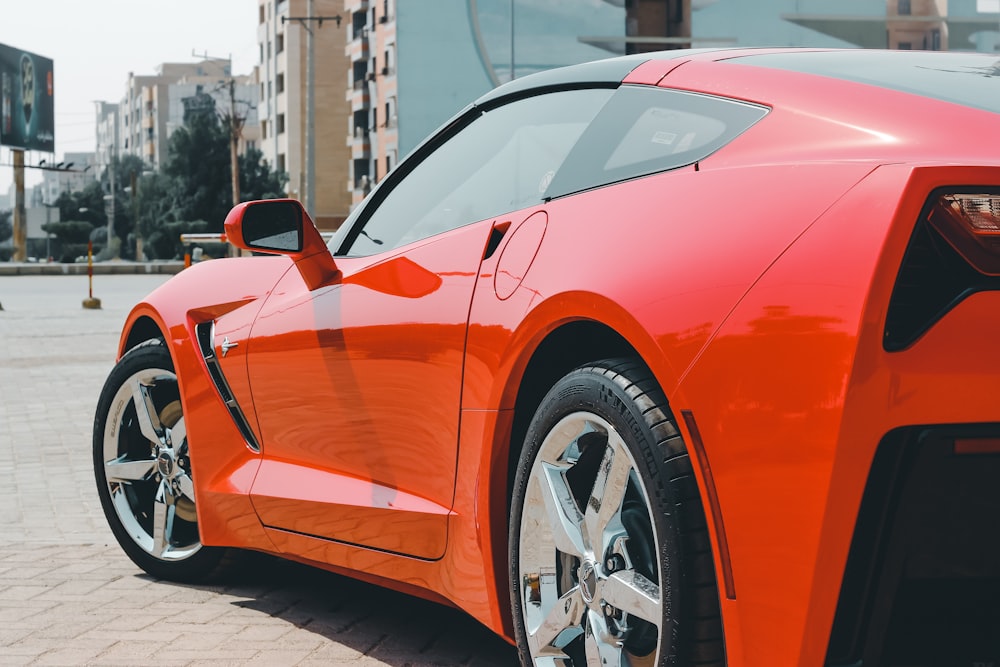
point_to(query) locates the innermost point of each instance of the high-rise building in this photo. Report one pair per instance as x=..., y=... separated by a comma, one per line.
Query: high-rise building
x=153, y=104
x=413, y=65
x=283, y=90
x=108, y=136
x=936, y=25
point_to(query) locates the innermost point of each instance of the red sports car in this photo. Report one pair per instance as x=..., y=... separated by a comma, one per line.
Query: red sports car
x=681, y=358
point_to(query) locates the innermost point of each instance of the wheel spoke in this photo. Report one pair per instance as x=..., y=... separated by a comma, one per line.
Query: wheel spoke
x=177, y=433
x=608, y=494
x=635, y=595
x=600, y=651
x=163, y=521
x=564, y=517
x=122, y=470
x=566, y=613
x=145, y=412
x=186, y=485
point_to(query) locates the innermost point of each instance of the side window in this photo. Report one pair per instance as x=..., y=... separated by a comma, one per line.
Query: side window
x=502, y=161
x=643, y=130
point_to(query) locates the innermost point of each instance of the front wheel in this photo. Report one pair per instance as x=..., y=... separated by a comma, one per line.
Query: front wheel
x=143, y=468
x=609, y=554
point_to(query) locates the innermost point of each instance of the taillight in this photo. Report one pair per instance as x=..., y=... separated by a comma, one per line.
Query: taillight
x=970, y=222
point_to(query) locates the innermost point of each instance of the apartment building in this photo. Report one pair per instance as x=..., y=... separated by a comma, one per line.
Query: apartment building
x=282, y=90
x=413, y=65
x=936, y=25
x=153, y=106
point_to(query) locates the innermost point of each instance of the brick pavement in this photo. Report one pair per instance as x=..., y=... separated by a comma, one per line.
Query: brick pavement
x=69, y=596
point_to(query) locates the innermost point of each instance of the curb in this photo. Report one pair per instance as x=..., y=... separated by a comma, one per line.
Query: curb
x=104, y=268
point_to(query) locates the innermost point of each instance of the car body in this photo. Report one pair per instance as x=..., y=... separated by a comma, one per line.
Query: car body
x=796, y=248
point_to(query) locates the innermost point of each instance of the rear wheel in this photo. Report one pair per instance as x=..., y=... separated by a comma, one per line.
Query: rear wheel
x=609, y=555
x=143, y=468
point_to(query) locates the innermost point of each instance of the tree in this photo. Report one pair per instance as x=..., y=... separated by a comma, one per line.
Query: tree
x=198, y=162
x=257, y=180
x=81, y=219
x=6, y=226
x=124, y=168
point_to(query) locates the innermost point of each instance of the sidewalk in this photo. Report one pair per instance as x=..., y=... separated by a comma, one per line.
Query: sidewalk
x=113, y=267
x=69, y=595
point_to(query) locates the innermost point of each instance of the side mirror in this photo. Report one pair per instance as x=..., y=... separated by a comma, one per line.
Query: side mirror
x=282, y=227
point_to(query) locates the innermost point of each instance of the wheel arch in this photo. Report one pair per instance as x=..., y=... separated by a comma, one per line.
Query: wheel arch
x=141, y=329
x=569, y=345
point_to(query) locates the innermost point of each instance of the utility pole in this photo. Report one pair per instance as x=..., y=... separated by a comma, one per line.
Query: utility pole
x=20, y=215
x=310, y=117
x=310, y=185
x=235, y=131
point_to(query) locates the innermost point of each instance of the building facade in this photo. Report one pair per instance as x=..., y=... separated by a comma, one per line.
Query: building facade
x=283, y=91
x=411, y=69
x=153, y=106
x=937, y=25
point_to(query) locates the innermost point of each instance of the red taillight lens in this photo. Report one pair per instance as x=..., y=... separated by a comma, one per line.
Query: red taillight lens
x=971, y=224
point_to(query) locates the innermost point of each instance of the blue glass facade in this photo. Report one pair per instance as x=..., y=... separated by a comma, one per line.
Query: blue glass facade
x=452, y=51
x=955, y=25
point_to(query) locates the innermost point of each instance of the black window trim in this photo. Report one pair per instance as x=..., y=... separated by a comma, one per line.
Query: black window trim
x=632, y=172
x=443, y=134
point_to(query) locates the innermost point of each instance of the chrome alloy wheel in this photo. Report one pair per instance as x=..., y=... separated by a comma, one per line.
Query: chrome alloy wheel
x=587, y=557
x=146, y=466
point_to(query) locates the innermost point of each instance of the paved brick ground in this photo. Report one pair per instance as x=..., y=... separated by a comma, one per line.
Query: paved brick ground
x=69, y=596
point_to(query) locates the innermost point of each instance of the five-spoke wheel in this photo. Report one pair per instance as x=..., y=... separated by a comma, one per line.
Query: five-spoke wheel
x=600, y=571
x=143, y=468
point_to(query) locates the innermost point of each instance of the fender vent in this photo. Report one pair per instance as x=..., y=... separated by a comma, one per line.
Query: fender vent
x=206, y=342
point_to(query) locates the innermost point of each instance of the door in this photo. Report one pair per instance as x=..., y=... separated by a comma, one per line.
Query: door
x=357, y=386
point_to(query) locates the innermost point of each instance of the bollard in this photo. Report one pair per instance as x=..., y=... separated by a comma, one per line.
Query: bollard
x=90, y=302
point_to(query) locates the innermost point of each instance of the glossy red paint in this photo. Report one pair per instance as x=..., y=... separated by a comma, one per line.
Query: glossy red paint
x=385, y=390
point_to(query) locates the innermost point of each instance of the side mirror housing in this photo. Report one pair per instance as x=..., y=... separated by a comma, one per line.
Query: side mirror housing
x=282, y=227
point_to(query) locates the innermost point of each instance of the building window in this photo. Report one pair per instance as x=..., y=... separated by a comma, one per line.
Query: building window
x=935, y=40
x=390, y=112
x=263, y=129
x=281, y=162
x=281, y=123
x=279, y=44
x=903, y=8
x=279, y=84
x=904, y=46
x=261, y=8
x=261, y=45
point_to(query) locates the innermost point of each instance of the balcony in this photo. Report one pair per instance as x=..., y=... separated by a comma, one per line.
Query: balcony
x=358, y=49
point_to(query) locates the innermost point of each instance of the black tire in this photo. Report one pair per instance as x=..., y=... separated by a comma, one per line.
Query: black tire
x=149, y=499
x=606, y=519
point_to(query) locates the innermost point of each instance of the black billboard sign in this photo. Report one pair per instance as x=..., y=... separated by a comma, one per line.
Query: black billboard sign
x=27, y=104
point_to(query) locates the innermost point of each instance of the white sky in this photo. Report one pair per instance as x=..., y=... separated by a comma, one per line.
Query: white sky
x=94, y=44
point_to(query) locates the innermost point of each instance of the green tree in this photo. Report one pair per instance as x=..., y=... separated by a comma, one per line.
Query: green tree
x=6, y=225
x=257, y=179
x=81, y=219
x=124, y=168
x=198, y=162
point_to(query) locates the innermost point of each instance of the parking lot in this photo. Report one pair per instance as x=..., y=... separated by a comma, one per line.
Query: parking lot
x=69, y=596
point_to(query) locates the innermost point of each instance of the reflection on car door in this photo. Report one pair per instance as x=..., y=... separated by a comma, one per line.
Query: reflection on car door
x=358, y=391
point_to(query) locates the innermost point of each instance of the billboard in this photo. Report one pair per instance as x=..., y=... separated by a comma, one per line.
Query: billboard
x=27, y=106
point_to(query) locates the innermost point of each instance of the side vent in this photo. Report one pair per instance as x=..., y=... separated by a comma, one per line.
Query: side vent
x=206, y=342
